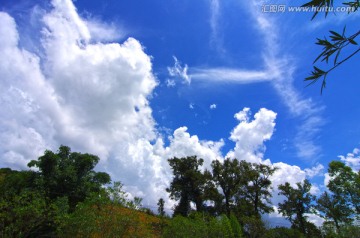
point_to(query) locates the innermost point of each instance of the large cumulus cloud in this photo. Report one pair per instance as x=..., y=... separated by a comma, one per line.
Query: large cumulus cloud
x=94, y=97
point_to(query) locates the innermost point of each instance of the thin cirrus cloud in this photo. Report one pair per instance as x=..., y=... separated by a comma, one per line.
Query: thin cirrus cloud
x=277, y=69
x=216, y=38
x=229, y=75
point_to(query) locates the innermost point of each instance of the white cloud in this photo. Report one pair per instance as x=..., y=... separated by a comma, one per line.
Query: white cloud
x=94, y=98
x=101, y=31
x=314, y=171
x=352, y=159
x=179, y=71
x=250, y=136
x=25, y=95
x=280, y=64
x=183, y=144
x=90, y=96
x=216, y=39
x=213, y=106
x=277, y=68
x=222, y=75
x=326, y=179
x=170, y=83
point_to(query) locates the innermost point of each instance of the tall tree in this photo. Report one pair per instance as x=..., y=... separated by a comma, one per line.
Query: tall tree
x=256, y=190
x=188, y=184
x=298, y=202
x=334, y=208
x=228, y=177
x=69, y=174
x=345, y=183
x=161, y=204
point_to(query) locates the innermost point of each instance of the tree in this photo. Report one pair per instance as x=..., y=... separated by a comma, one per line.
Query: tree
x=228, y=176
x=161, y=209
x=337, y=44
x=298, y=202
x=345, y=184
x=69, y=174
x=246, y=182
x=334, y=208
x=188, y=184
x=256, y=190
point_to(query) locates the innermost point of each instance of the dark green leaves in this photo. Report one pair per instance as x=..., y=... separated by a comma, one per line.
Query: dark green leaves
x=332, y=49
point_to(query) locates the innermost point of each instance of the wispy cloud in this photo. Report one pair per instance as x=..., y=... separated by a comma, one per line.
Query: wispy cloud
x=304, y=109
x=229, y=75
x=277, y=68
x=216, y=39
x=179, y=71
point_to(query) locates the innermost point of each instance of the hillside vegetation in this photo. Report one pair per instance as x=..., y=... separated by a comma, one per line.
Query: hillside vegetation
x=64, y=197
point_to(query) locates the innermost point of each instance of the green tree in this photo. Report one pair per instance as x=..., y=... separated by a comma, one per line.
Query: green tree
x=69, y=174
x=235, y=226
x=183, y=227
x=161, y=209
x=298, y=202
x=256, y=190
x=337, y=45
x=254, y=227
x=188, y=184
x=334, y=208
x=228, y=177
x=345, y=184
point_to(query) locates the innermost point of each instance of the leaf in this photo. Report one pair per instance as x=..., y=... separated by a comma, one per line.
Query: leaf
x=337, y=55
x=336, y=36
x=352, y=41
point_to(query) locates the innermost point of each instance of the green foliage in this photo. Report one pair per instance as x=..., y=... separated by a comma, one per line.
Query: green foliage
x=228, y=177
x=338, y=43
x=199, y=225
x=282, y=232
x=220, y=227
x=188, y=184
x=244, y=185
x=345, y=184
x=298, y=202
x=334, y=208
x=182, y=227
x=21, y=214
x=161, y=204
x=256, y=188
x=28, y=215
x=38, y=204
x=69, y=174
x=235, y=226
x=254, y=227
x=346, y=231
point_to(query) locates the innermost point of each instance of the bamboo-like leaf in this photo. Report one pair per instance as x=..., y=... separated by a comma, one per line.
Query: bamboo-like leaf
x=337, y=56
x=352, y=41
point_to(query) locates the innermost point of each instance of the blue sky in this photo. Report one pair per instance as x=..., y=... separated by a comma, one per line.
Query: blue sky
x=137, y=82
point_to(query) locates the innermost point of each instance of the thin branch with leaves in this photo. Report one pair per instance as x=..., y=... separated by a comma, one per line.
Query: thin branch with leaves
x=334, y=47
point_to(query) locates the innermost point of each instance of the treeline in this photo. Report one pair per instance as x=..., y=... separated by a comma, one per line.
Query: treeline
x=64, y=197
x=242, y=189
